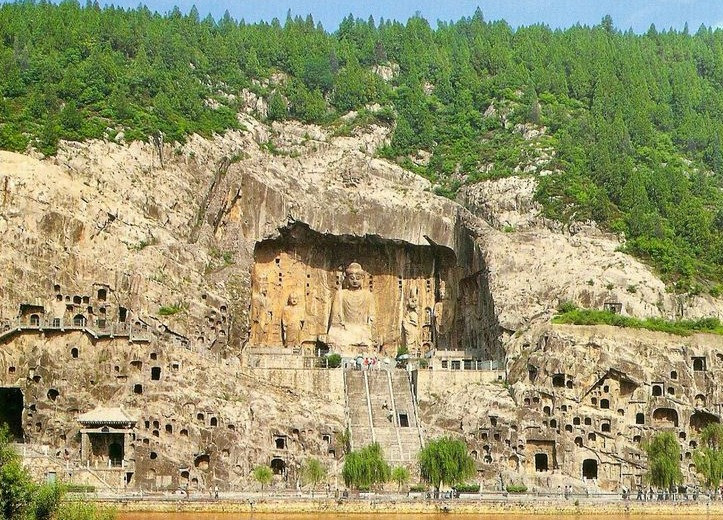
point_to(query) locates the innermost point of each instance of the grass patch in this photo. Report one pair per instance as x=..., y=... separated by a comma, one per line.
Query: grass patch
x=576, y=316
x=170, y=310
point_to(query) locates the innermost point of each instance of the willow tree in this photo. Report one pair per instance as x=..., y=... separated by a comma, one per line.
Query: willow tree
x=664, y=460
x=446, y=461
x=366, y=468
x=709, y=458
x=313, y=472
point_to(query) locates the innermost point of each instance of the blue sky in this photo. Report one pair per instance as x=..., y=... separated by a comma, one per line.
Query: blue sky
x=635, y=14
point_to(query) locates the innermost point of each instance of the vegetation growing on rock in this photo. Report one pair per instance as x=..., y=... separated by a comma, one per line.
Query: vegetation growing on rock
x=632, y=120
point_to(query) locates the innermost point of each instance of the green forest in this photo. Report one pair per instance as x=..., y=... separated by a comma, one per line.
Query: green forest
x=634, y=119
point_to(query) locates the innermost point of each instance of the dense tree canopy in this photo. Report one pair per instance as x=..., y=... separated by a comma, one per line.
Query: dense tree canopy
x=445, y=461
x=634, y=120
x=664, y=461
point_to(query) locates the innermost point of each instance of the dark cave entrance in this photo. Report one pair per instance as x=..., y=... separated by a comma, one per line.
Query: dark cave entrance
x=589, y=468
x=11, y=412
x=541, y=462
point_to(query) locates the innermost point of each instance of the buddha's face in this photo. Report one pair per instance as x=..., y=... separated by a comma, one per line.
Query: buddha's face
x=293, y=300
x=355, y=279
x=412, y=302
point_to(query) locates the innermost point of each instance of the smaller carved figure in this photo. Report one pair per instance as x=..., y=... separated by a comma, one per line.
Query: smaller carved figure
x=292, y=322
x=261, y=313
x=443, y=318
x=410, y=324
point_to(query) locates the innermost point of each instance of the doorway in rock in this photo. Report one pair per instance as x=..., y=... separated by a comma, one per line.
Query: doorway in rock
x=115, y=454
x=403, y=420
x=541, y=462
x=11, y=412
x=589, y=468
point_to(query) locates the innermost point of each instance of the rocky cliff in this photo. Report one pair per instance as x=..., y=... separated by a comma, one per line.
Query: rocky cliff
x=130, y=272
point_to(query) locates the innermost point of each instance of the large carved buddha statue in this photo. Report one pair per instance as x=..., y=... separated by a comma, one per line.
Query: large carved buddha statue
x=352, y=311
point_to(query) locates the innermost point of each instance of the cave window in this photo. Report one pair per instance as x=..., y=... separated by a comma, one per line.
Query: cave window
x=153, y=455
x=541, y=462
x=589, y=469
x=563, y=408
x=621, y=412
x=636, y=439
x=568, y=428
x=156, y=373
x=493, y=420
x=77, y=300
x=666, y=415
x=102, y=294
x=154, y=356
x=606, y=389
x=278, y=466
x=53, y=394
x=138, y=388
x=223, y=309
x=169, y=428
x=674, y=375
x=588, y=421
x=200, y=417
x=546, y=410
x=576, y=421
x=56, y=288
x=553, y=423
x=569, y=384
x=280, y=443
x=11, y=370
x=34, y=320
x=591, y=437
x=183, y=433
x=527, y=401
x=693, y=445
x=214, y=421
x=74, y=353
x=699, y=364
x=403, y=420
x=681, y=436
x=122, y=314
x=605, y=427
x=532, y=373
x=11, y=412
x=594, y=401
x=671, y=390
x=79, y=320
x=657, y=390
x=700, y=401
x=558, y=380
x=578, y=442
x=605, y=404
x=156, y=424
x=639, y=418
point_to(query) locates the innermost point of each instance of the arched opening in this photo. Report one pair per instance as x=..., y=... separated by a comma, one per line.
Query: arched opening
x=605, y=403
x=473, y=454
x=700, y=401
x=558, y=380
x=74, y=353
x=553, y=423
x=541, y=462
x=576, y=421
x=569, y=384
x=591, y=437
x=568, y=428
x=671, y=390
x=639, y=418
x=588, y=421
x=183, y=433
x=53, y=394
x=79, y=320
x=278, y=466
x=280, y=443
x=589, y=468
x=34, y=320
x=700, y=420
x=546, y=410
x=673, y=375
x=115, y=454
x=214, y=421
x=200, y=417
x=102, y=294
x=657, y=390
x=11, y=412
x=202, y=462
x=578, y=442
x=665, y=417
x=169, y=428
x=605, y=427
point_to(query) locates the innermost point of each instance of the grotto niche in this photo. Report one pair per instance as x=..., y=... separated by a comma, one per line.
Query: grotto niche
x=357, y=295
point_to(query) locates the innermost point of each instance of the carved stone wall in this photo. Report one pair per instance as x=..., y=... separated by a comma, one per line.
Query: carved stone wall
x=311, y=266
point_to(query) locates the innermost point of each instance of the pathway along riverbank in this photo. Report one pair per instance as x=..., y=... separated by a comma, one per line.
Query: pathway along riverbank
x=599, y=505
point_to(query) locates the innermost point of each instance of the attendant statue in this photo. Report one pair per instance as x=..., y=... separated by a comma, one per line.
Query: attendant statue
x=442, y=319
x=410, y=325
x=352, y=311
x=292, y=322
x=261, y=313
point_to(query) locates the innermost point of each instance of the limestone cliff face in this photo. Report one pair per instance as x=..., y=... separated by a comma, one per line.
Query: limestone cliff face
x=150, y=260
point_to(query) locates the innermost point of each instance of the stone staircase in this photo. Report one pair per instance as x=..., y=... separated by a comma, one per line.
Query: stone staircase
x=381, y=408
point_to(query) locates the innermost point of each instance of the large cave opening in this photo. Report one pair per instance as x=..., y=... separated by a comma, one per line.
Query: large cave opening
x=11, y=412
x=398, y=295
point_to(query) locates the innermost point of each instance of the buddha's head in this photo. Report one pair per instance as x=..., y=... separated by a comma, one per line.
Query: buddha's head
x=354, y=275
